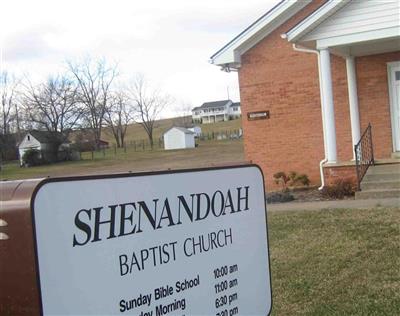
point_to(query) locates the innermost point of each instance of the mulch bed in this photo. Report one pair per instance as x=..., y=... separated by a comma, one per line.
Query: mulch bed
x=310, y=194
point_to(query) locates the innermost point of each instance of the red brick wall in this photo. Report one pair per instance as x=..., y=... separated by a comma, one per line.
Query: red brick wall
x=274, y=77
x=333, y=174
x=373, y=98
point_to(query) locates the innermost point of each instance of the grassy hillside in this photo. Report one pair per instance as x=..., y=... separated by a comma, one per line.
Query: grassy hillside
x=135, y=132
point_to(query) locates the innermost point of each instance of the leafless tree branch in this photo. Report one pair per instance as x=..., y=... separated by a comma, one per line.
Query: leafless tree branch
x=54, y=106
x=94, y=79
x=8, y=95
x=148, y=104
x=119, y=114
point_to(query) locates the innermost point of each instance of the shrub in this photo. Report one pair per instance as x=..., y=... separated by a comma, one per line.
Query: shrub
x=303, y=179
x=293, y=179
x=32, y=157
x=340, y=189
x=296, y=179
x=282, y=179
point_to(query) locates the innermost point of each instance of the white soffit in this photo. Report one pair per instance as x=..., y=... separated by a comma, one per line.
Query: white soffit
x=349, y=23
x=230, y=54
x=314, y=19
x=375, y=39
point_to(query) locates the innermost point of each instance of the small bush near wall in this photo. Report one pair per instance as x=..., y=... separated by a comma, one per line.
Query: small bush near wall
x=298, y=179
x=287, y=183
x=340, y=189
x=282, y=179
x=293, y=180
x=31, y=157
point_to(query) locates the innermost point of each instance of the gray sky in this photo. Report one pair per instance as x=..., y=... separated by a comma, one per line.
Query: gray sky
x=169, y=41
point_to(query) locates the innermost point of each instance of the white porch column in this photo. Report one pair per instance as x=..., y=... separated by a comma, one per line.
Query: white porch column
x=353, y=100
x=329, y=111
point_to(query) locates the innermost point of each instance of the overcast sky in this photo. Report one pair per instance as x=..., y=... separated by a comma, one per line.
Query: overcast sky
x=169, y=41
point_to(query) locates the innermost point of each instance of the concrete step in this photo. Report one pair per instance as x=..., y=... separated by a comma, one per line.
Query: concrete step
x=378, y=194
x=380, y=185
x=396, y=154
x=383, y=169
x=372, y=177
x=381, y=182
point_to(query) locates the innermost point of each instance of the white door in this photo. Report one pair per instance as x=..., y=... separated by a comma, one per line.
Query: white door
x=394, y=91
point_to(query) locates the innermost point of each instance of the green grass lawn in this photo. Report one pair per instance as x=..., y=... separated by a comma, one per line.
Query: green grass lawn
x=336, y=262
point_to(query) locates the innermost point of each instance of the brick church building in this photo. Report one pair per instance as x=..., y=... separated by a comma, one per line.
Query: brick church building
x=317, y=73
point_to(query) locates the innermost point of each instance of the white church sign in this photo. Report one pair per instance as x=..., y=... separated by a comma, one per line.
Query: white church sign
x=170, y=243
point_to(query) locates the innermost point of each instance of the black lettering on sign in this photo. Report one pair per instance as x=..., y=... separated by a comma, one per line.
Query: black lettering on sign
x=119, y=220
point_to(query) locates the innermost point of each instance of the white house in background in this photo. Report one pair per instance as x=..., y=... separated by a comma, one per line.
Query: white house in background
x=196, y=130
x=40, y=140
x=178, y=138
x=216, y=111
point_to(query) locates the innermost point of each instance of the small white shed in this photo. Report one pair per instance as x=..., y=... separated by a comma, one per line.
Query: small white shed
x=178, y=138
x=33, y=140
x=43, y=141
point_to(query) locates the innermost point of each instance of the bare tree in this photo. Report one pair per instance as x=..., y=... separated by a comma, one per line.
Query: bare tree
x=8, y=91
x=94, y=79
x=54, y=106
x=148, y=104
x=185, y=114
x=9, y=114
x=119, y=114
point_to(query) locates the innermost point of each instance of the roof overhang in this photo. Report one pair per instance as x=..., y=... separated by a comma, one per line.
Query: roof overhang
x=229, y=56
x=314, y=19
x=374, y=41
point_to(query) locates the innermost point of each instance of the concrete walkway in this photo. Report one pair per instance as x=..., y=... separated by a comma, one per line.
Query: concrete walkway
x=319, y=205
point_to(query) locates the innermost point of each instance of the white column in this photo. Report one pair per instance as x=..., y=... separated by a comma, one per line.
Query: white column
x=353, y=100
x=329, y=111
